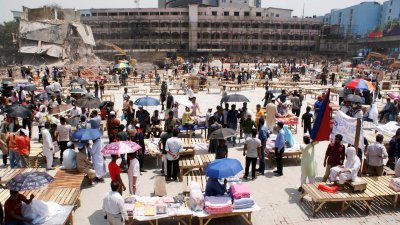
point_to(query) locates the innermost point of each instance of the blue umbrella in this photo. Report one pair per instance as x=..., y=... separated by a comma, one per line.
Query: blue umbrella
x=86, y=134
x=222, y=168
x=147, y=101
x=29, y=181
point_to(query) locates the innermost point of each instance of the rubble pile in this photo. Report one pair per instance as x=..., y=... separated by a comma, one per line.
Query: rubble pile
x=51, y=35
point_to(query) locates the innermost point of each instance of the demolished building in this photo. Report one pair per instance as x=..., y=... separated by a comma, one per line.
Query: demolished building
x=54, y=34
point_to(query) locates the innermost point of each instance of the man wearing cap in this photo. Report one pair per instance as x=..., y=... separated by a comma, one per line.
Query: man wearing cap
x=334, y=156
x=272, y=112
x=69, y=157
x=112, y=127
x=83, y=164
x=75, y=114
x=97, y=159
x=48, y=148
x=279, y=149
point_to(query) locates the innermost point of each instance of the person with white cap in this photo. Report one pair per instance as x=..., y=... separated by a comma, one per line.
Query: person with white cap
x=97, y=159
x=350, y=169
x=48, y=148
x=83, y=164
x=69, y=156
x=75, y=114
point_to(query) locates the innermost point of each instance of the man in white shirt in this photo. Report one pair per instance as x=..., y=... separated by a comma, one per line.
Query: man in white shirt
x=56, y=87
x=173, y=146
x=63, y=134
x=75, y=114
x=69, y=156
x=113, y=206
x=252, y=150
x=375, y=154
x=48, y=148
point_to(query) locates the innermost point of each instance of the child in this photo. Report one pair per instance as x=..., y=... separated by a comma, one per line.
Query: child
x=306, y=120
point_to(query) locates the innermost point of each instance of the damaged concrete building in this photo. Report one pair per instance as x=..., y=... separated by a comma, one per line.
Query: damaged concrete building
x=49, y=34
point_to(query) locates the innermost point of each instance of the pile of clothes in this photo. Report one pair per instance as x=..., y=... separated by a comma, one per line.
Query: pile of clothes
x=218, y=204
x=241, y=196
x=395, y=184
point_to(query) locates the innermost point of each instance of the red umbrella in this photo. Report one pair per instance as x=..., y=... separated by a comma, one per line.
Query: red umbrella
x=98, y=78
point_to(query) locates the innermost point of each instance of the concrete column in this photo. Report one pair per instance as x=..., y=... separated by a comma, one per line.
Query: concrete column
x=193, y=27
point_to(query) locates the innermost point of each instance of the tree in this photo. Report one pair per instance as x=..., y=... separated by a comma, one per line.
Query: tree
x=8, y=30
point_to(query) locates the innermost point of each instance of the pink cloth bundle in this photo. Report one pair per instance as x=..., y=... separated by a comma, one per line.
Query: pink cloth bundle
x=240, y=191
x=395, y=184
x=218, y=205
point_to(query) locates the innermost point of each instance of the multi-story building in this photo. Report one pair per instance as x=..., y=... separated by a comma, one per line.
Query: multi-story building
x=356, y=20
x=390, y=11
x=204, y=29
x=213, y=3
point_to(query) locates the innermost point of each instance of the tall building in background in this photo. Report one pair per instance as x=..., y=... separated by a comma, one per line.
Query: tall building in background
x=213, y=3
x=357, y=20
x=390, y=11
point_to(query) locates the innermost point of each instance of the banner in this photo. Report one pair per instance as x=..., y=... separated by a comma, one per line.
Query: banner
x=346, y=126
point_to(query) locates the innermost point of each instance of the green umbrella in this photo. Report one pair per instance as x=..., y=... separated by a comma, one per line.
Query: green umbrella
x=347, y=81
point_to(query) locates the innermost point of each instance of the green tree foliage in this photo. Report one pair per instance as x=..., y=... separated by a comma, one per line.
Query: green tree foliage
x=7, y=31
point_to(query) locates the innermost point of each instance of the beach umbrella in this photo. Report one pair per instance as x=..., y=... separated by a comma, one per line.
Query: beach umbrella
x=79, y=81
x=29, y=181
x=235, y=98
x=184, y=101
x=86, y=134
x=61, y=109
x=360, y=84
x=120, y=147
x=222, y=133
x=88, y=101
x=18, y=110
x=147, y=101
x=105, y=103
x=121, y=65
x=222, y=168
x=353, y=98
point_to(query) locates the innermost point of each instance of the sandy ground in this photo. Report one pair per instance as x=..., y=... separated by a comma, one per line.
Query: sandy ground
x=277, y=196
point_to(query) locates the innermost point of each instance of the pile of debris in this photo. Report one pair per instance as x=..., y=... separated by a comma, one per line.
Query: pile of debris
x=51, y=35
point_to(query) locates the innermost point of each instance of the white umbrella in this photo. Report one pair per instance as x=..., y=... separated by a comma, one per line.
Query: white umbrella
x=184, y=101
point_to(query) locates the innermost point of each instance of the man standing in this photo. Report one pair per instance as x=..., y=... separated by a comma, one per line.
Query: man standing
x=48, y=148
x=253, y=147
x=163, y=140
x=248, y=125
x=263, y=136
x=225, y=115
x=139, y=139
x=334, y=156
x=232, y=120
x=97, y=159
x=13, y=150
x=75, y=114
x=112, y=127
x=279, y=149
x=63, y=133
x=144, y=119
x=375, y=154
x=295, y=100
x=170, y=101
x=115, y=173
x=113, y=206
x=173, y=146
x=272, y=112
x=24, y=147
x=163, y=94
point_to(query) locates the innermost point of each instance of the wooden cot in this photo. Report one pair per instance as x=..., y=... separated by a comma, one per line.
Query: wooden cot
x=67, y=179
x=379, y=186
x=188, y=145
x=198, y=161
x=194, y=176
x=345, y=196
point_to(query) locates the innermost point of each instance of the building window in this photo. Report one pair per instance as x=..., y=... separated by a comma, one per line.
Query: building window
x=390, y=10
x=226, y=13
x=185, y=13
x=236, y=13
x=258, y=13
x=277, y=15
x=214, y=13
x=388, y=17
x=175, y=13
x=246, y=13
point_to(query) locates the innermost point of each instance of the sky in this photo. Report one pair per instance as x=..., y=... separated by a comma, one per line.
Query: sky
x=311, y=7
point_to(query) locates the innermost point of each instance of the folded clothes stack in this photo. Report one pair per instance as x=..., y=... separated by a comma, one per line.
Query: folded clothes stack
x=395, y=184
x=241, y=196
x=218, y=204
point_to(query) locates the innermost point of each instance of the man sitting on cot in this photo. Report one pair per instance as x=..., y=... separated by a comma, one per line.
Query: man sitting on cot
x=350, y=169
